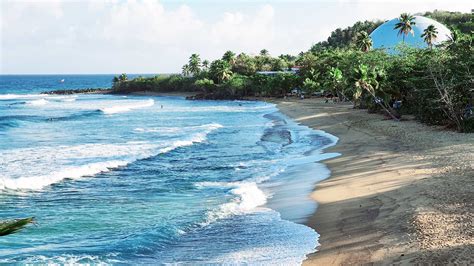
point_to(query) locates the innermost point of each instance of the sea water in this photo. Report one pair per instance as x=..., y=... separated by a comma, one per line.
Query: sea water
x=152, y=180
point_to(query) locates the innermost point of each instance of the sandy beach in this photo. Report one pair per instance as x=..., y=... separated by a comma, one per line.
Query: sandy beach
x=401, y=192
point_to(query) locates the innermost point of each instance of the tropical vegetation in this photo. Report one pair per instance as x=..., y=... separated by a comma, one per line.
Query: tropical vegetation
x=435, y=85
x=11, y=226
x=405, y=25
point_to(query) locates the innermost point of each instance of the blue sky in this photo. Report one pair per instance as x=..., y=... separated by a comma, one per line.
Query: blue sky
x=148, y=36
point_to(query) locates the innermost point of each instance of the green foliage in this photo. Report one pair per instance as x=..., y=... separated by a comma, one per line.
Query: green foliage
x=237, y=85
x=435, y=85
x=220, y=71
x=244, y=65
x=194, y=65
x=229, y=57
x=310, y=85
x=429, y=35
x=363, y=41
x=207, y=85
x=341, y=38
x=460, y=21
x=335, y=80
x=12, y=226
x=405, y=25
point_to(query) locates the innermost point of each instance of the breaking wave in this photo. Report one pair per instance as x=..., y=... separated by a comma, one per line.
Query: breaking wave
x=127, y=107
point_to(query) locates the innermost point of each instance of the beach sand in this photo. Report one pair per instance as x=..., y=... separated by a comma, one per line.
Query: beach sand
x=401, y=192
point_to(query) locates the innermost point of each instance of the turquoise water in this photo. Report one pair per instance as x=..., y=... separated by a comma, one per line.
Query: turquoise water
x=151, y=180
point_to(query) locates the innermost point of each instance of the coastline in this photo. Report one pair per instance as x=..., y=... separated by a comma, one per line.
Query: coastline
x=399, y=193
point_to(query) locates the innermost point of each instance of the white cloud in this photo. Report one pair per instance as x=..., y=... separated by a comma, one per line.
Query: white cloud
x=247, y=32
x=150, y=36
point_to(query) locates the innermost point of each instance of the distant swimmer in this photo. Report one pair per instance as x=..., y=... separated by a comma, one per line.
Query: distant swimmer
x=161, y=106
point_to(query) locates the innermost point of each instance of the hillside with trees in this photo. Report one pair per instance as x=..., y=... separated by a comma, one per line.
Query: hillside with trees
x=433, y=84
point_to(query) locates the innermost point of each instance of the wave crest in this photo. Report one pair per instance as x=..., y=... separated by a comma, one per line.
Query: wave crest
x=75, y=161
x=249, y=197
x=127, y=107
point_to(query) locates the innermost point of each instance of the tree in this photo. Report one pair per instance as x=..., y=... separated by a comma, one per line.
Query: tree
x=205, y=84
x=429, y=35
x=336, y=79
x=115, y=81
x=453, y=37
x=310, y=85
x=229, y=57
x=340, y=38
x=278, y=64
x=185, y=70
x=367, y=79
x=123, y=77
x=244, y=65
x=205, y=64
x=194, y=64
x=264, y=52
x=405, y=25
x=220, y=71
x=363, y=41
x=237, y=85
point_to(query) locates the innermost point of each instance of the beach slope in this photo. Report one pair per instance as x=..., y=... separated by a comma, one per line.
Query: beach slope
x=401, y=192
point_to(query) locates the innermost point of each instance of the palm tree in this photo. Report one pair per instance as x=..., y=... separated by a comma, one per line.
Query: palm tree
x=205, y=64
x=405, y=25
x=185, y=70
x=220, y=70
x=363, y=41
x=11, y=226
x=194, y=64
x=429, y=35
x=264, y=52
x=123, y=77
x=229, y=56
x=367, y=79
x=453, y=37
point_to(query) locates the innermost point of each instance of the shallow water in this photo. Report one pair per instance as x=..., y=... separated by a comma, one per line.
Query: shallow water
x=119, y=179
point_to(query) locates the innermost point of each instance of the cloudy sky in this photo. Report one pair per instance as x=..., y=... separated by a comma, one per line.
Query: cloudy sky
x=150, y=36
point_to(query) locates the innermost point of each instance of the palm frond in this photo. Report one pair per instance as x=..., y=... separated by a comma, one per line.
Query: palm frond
x=12, y=226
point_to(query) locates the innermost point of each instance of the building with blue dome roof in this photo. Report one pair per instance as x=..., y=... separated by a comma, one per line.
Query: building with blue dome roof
x=386, y=36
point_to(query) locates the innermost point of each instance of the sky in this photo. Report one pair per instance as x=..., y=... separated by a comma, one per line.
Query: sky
x=152, y=36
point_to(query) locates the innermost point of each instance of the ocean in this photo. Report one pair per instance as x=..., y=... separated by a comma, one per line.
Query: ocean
x=122, y=179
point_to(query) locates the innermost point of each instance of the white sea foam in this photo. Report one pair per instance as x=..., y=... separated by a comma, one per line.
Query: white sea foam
x=73, y=172
x=19, y=96
x=39, y=102
x=173, y=130
x=127, y=107
x=273, y=242
x=219, y=108
x=71, y=260
x=69, y=99
x=248, y=198
x=36, y=168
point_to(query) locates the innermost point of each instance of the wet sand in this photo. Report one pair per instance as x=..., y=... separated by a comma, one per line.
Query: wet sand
x=401, y=192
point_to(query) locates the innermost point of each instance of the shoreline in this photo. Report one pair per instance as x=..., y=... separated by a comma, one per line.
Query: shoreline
x=394, y=195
